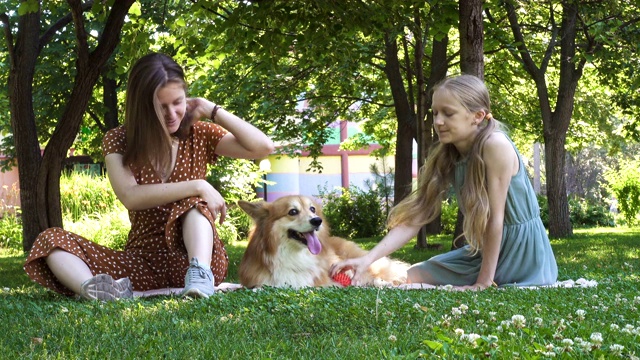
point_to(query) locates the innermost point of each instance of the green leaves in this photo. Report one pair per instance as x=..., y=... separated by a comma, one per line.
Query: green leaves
x=28, y=6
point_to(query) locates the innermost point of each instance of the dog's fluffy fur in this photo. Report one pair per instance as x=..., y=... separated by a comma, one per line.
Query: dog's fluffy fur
x=290, y=246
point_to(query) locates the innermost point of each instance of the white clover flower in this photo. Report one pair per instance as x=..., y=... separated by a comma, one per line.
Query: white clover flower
x=614, y=327
x=627, y=329
x=616, y=349
x=492, y=315
x=446, y=321
x=492, y=338
x=586, y=346
x=392, y=338
x=596, y=337
x=567, y=344
x=537, y=307
x=558, y=336
x=459, y=332
x=499, y=328
x=636, y=300
x=480, y=322
x=505, y=323
x=224, y=319
x=538, y=321
x=447, y=287
x=518, y=321
x=456, y=311
x=550, y=354
x=550, y=347
x=476, y=312
x=512, y=334
x=464, y=308
x=417, y=306
x=471, y=338
x=561, y=325
x=580, y=314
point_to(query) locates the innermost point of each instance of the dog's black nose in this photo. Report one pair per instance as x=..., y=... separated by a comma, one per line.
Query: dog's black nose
x=316, y=221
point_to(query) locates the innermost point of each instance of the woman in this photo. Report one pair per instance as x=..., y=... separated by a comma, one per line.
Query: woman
x=156, y=164
x=507, y=242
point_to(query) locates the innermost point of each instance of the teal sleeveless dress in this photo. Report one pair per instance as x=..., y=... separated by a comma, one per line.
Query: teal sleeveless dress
x=526, y=257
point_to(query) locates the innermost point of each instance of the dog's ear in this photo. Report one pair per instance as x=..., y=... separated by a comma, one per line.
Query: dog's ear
x=256, y=209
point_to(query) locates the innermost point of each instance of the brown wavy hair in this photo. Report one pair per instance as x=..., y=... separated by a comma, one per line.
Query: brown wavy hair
x=423, y=205
x=148, y=139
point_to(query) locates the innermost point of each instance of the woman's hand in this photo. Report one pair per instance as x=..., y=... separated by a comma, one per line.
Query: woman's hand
x=200, y=108
x=357, y=265
x=215, y=201
x=474, y=287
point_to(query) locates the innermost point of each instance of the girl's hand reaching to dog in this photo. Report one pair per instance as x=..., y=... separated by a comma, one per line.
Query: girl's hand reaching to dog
x=357, y=265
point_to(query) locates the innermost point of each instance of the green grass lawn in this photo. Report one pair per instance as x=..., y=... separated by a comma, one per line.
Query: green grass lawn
x=345, y=323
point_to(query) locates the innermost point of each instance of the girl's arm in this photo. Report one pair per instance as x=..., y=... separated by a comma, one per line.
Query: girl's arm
x=243, y=140
x=140, y=197
x=395, y=239
x=501, y=165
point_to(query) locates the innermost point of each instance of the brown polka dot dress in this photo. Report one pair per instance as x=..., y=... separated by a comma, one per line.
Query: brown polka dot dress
x=155, y=256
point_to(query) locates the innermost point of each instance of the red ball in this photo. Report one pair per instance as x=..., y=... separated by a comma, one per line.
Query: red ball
x=342, y=279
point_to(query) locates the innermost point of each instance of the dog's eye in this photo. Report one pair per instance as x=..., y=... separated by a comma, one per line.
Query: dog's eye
x=313, y=209
x=293, y=212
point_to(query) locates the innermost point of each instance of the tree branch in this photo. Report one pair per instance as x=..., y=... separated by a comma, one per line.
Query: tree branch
x=58, y=25
x=9, y=37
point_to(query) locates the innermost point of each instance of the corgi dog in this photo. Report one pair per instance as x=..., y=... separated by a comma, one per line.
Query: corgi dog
x=290, y=245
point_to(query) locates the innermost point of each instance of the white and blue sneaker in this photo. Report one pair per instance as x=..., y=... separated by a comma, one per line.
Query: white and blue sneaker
x=104, y=287
x=198, y=282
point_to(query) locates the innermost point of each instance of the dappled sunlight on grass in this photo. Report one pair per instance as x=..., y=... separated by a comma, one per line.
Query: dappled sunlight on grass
x=592, y=322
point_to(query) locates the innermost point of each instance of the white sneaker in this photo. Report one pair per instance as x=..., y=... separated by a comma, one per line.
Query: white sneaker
x=198, y=282
x=103, y=287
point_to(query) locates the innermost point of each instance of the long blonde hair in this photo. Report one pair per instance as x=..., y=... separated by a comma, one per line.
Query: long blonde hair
x=423, y=205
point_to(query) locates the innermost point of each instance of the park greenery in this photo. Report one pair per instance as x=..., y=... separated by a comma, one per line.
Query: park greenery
x=579, y=322
x=561, y=73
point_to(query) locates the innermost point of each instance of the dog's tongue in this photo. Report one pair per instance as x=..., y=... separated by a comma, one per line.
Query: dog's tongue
x=313, y=243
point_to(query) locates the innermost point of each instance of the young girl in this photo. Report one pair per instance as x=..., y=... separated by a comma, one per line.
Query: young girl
x=157, y=165
x=507, y=242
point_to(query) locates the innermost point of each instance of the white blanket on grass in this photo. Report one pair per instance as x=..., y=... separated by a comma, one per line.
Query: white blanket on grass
x=580, y=283
x=225, y=287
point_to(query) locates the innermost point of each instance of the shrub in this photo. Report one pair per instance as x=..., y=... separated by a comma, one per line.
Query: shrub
x=449, y=216
x=589, y=213
x=543, y=202
x=583, y=213
x=11, y=231
x=82, y=193
x=354, y=213
x=624, y=183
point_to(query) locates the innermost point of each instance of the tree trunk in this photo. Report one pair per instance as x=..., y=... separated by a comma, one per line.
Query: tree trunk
x=556, y=127
x=556, y=186
x=439, y=66
x=406, y=122
x=471, y=38
x=555, y=123
x=471, y=62
x=23, y=58
x=110, y=100
x=39, y=176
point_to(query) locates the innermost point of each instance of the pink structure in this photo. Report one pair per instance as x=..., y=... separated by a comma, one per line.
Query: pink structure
x=9, y=190
x=340, y=168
